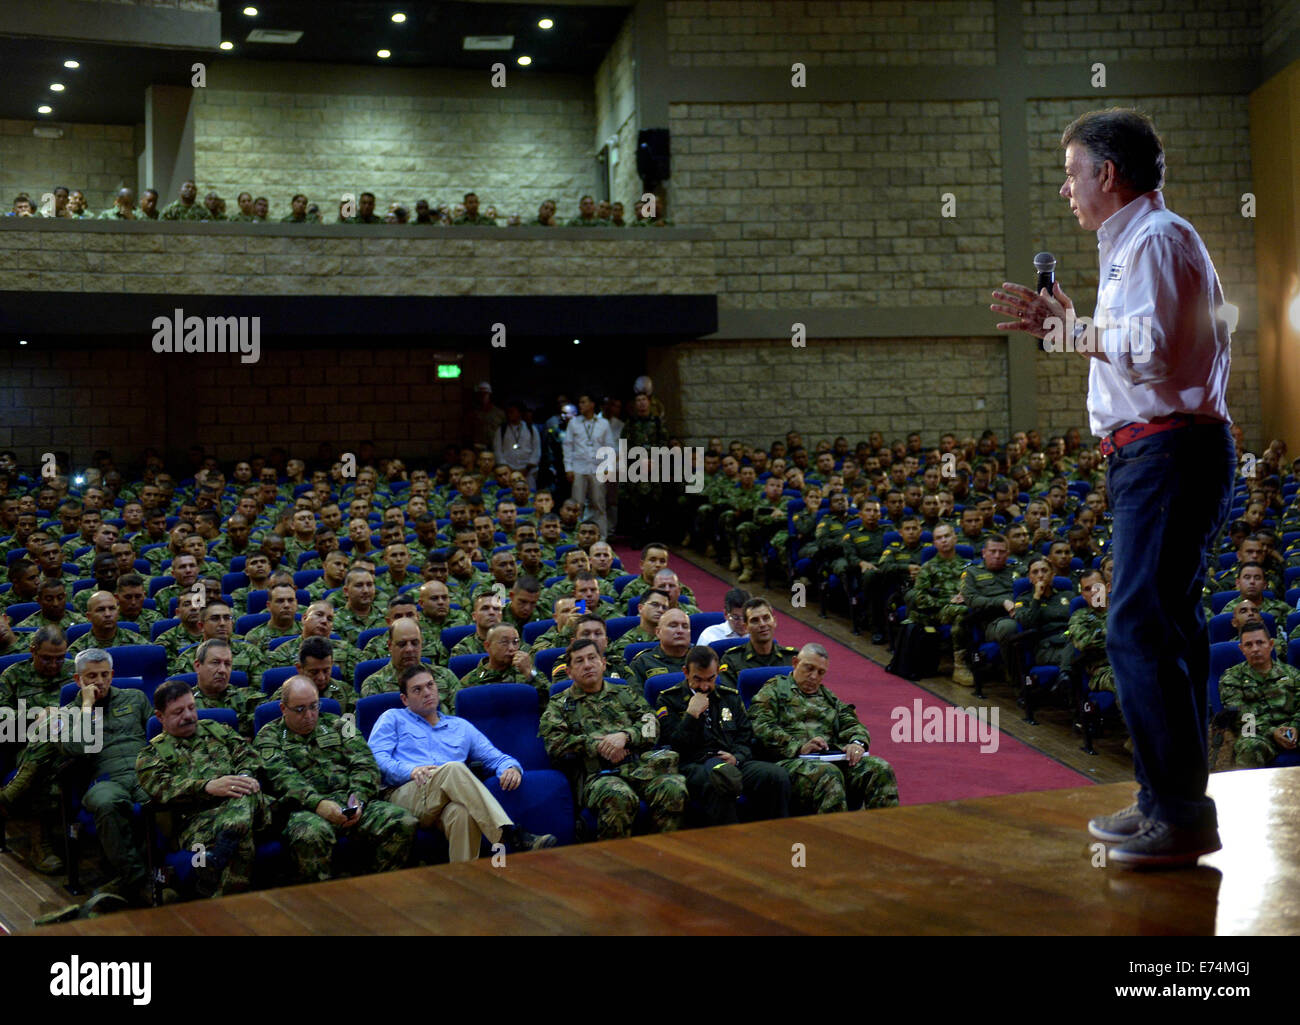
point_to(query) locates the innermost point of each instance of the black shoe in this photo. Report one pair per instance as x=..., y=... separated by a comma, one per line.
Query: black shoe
x=521, y=840
x=1118, y=827
x=877, y=638
x=208, y=878
x=1164, y=845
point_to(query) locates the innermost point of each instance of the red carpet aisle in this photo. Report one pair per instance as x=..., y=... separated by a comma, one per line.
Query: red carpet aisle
x=926, y=771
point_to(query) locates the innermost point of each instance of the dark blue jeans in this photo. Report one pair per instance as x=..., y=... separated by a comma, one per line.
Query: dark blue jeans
x=1170, y=494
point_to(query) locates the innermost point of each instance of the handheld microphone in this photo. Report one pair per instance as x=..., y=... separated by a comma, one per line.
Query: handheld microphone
x=1045, y=265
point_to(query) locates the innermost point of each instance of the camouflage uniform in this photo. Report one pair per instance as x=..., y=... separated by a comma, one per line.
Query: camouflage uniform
x=614, y=666
x=178, y=211
x=348, y=624
x=484, y=673
x=330, y=763
x=243, y=701
x=470, y=644
x=638, y=587
x=637, y=635
x=555, y=638
x=654, y=662
x=174, y=640
x=119, y=639
x=938, y=581
x=743, y=656
x=37, y=762
x=38, y=620
x=1274, y=700
x=892, y=575
x=1087, y=633
x=174, y=771
x=335, y=690
x=432, y=647
x=785, y=718
x=740, y=507
x=572, y=727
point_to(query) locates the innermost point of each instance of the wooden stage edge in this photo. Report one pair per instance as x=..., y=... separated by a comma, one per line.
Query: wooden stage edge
x=1020, y=864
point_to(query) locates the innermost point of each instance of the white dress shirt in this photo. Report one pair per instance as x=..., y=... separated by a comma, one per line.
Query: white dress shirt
x=719, y=632
x=1154, y=265
x=583, y=440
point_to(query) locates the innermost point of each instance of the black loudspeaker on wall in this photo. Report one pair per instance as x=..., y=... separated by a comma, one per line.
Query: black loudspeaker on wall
x=652, y=155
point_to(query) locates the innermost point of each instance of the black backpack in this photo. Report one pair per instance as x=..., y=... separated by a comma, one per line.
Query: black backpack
x=916, y=652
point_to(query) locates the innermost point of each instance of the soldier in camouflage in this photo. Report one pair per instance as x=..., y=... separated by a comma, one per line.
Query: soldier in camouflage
x=325, y=781
x=213, y=663
x=984, y=600
x=605, y=735
x=760, y=650
x=769, y=518
x=507, y=662
x=208, y=775
x=1261, y=697
x=592, y=627
x=796, y=718
x=668, y=656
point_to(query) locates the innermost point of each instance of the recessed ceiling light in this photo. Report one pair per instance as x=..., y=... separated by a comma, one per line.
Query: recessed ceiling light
x=22, y=341
x=56, y=87
x=45, y=108
x=226, y=44
x=72, y=64
x=399, y=17
x=524, y=60
x=546, y=23
x=251, y=11
x=384, y=54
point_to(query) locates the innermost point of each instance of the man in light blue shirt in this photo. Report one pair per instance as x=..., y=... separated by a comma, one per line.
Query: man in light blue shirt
x=422, y=755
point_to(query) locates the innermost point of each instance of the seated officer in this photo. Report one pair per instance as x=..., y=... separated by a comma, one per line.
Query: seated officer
x=213, y=663
x=762, y=648
x=591, y=627
x=1261, y=701
x=707, y=725
x=983, y=599
x=325, y=783
x=669, y=655
x=605, y=734
x=207, y=774
x=796, y=716
x=507, y=662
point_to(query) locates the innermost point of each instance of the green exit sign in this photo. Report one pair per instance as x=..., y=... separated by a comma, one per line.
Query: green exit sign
x=448, y=370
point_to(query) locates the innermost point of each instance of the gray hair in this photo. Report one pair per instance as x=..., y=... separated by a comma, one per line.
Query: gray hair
x=813, y=649
x=85, y=658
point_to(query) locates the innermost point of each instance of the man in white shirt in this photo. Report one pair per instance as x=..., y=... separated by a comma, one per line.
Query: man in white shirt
x=1156, y=396
x=733, y=627
x=517, y=444
x=584, y=438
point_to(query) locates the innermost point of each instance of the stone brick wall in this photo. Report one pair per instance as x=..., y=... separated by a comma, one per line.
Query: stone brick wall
x=705, y=34
x=1207, y=154
x=354, y=260
x=616, y=114
x=1062, y=31
x=839, y=204
x=98, y=159
x=1280, y=18
x=758, y=390
x=512, y=150
x=118, y=399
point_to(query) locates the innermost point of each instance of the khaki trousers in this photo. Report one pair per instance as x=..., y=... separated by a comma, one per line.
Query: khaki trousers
x=462, y=807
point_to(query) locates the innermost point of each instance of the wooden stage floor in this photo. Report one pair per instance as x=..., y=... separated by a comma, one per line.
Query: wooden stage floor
x=1016, y=864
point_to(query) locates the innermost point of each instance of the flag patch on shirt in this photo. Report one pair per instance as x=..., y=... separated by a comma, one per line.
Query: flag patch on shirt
x=1116, y=271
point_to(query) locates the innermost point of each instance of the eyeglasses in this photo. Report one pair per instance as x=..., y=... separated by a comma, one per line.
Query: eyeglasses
x=304, y=709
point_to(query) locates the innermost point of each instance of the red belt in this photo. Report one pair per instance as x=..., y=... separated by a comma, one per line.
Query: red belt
x=1130, y=433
